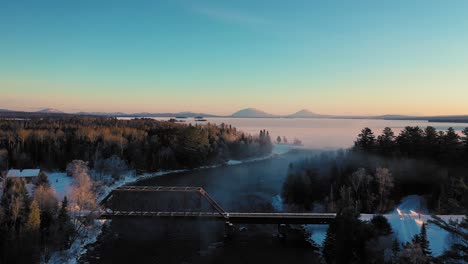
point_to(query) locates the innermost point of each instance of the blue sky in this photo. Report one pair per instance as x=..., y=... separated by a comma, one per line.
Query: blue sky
x=337, y=57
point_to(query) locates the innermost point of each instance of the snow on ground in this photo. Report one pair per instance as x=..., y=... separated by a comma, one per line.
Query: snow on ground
x=319, y=233
x=406, y=221
x=60, y=182
x=78, y=248
x=277, y=203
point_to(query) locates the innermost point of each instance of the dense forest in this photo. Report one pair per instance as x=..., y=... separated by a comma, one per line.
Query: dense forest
x=379, y=170
x=375, y=175
x=33, y=224
x=144, y=144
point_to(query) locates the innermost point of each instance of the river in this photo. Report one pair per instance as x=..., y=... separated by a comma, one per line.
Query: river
x=246, y=187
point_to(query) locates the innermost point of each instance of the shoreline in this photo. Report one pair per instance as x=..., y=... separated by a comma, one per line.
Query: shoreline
x=78, y=248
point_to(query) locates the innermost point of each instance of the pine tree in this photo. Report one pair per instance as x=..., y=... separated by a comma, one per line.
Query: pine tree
x=386, y=141
x=459, y=250
x=278, y=139
x=464, y=140
x=42, y=180
x=423, y=241
x=329, y=243
x=366, y=140
x=65, y=226
x=63, y=216
x=395, y=249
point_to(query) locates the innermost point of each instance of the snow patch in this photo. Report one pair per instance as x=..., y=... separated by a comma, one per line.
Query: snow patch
x=277, y=203
x=319, y=232
x=60, y=182
x=406, y=221
x=78, y=248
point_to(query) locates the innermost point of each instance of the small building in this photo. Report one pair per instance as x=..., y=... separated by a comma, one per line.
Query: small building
x=29, y=175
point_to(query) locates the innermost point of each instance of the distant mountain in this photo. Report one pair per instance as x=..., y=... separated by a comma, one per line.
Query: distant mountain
x=101, y=114
x=179, y=114
x=304, y=113
x=252, y=113
x=396, y=117
x=50, y=111
x=5, y=110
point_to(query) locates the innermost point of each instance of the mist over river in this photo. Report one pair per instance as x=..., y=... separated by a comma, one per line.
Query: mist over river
x=245, y=187
x=320, y=133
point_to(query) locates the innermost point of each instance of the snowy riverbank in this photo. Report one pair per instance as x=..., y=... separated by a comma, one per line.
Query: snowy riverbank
x=406, y=221
x=62, y=183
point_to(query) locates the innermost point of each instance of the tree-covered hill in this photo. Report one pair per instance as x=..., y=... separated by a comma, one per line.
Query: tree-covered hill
x=145, y=144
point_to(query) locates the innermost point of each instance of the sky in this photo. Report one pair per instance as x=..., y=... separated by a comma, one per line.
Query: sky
x=331, y=57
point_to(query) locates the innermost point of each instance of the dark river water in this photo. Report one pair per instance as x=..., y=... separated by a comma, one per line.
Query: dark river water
x=248, y=187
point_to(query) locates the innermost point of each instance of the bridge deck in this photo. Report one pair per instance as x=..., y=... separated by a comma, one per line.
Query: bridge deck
x=247, y=218
x=219, y=215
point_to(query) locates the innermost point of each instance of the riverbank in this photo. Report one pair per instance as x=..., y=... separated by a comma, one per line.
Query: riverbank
x=79, y=247
x=245, y=187
x=406, y=221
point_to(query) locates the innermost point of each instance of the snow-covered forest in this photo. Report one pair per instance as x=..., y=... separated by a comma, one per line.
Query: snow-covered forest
x=373, y=177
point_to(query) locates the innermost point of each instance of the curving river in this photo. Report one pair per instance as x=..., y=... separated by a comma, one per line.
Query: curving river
x=246, y=187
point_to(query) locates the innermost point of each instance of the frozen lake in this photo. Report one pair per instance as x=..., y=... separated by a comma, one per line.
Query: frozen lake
x=320, y=133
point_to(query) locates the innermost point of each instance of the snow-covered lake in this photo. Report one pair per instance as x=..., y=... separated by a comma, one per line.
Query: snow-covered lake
x=320, y=133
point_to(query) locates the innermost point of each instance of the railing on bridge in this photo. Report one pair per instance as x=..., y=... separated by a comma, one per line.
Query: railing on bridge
x=124, y=202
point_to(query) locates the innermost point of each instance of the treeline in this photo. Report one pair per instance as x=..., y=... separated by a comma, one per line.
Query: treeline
x=446, y=152
x=371, y=178
x=446, y=148
x=144, y=144
x=333, y=181
x=32, y=226
x=375, y=174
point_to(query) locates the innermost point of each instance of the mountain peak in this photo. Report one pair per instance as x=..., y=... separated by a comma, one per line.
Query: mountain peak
x=251, y=112
x=50, y=111
x=304, y=113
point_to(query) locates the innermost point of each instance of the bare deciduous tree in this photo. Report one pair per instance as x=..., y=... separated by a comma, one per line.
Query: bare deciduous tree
x=385, y=182
x=81, y=194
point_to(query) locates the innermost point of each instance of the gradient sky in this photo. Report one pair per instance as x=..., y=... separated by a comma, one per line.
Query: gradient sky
x=332, y=57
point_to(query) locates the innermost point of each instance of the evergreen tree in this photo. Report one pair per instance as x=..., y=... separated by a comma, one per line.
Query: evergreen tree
x=346, y=240
x=329, y=251
x=458, y=253
x=464, y=141
x=410, y=141
x=381, y=225
x=43, y=180
x=395, y=250
x=65, y=226
x=423, y=241
x=366, y=140
x=431, y=144
x=386, y=141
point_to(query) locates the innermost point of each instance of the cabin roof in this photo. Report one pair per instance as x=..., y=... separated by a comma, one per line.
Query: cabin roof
x=26, y=173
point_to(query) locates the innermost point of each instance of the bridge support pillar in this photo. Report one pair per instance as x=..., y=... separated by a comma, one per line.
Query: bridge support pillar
x=282, y=230
x=229, y=230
